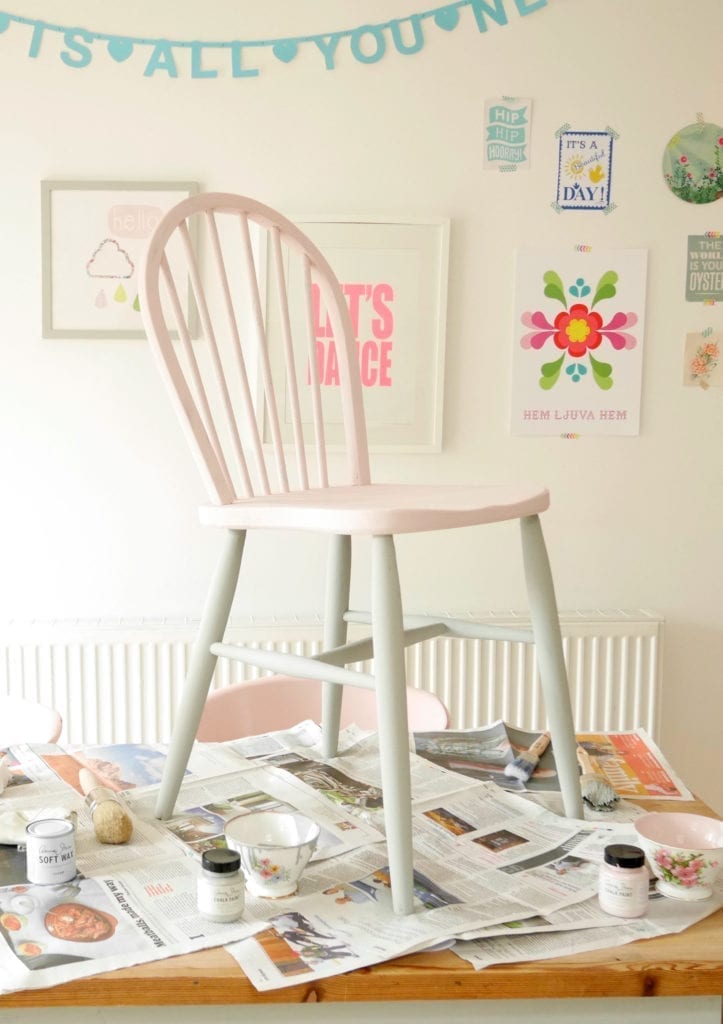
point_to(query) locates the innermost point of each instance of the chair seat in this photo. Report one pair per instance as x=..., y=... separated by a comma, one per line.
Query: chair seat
x=380, y=509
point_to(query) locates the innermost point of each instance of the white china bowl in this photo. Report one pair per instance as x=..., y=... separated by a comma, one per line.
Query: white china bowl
x=274, y=847
x=684, y=852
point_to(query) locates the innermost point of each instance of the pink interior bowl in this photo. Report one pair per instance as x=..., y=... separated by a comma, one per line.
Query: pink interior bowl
x=684, y=852
x=684, y=831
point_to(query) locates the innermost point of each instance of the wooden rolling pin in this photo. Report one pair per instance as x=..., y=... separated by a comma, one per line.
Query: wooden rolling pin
x=111, y=822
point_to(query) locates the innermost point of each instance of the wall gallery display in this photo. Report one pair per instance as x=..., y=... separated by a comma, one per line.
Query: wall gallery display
x=94, y=235
x=393, y=273
x=578, y=341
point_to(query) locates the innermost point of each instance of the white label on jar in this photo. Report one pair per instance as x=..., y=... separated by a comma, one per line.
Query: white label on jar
x=221, y=899
x=623, y=892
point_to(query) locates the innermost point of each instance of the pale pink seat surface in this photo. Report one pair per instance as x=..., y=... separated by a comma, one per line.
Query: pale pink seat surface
x=380, y=508
x=279, y=448
x=27, y=721
x=279, y=702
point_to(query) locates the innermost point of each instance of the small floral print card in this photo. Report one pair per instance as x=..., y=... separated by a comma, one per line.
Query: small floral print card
x=578, y=341
x=584, y=169
x=702, y=365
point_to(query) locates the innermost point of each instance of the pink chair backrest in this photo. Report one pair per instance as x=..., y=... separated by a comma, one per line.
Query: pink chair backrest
x=278, y=702
x=248, y=392
x=24, y=721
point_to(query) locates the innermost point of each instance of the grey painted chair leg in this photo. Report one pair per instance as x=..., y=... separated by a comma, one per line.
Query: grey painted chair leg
x=338, y=581
x=551, y=662
x=200, y=671
x=389, y=672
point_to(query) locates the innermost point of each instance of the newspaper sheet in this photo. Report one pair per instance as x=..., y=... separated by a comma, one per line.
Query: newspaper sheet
x=491, y=866
x=630, y=761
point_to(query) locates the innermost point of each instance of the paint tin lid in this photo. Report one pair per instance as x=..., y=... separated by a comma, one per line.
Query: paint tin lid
x=221, y=861
x=50, y=828
x=621, y=855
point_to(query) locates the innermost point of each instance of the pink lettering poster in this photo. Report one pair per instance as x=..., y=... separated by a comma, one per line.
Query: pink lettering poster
x=577, y=341
x=394, y=278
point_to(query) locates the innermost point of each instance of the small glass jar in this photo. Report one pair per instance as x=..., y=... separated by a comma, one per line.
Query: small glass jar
x=220, y=888
x=623, y=887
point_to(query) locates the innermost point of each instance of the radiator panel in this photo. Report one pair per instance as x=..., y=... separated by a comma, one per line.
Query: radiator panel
x=120, y=682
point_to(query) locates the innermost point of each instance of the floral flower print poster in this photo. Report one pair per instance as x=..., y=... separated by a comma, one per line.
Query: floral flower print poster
x=578, y=341
x=702, y=366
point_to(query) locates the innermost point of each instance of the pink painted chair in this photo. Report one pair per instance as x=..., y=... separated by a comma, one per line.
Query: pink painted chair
x=269, y=457
x=26, y=721
x=278, y=702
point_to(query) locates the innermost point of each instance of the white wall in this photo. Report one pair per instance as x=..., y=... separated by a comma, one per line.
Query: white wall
x=98, y=517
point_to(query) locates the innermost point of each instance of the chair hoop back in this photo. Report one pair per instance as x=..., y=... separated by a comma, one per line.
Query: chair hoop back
x=235, y=333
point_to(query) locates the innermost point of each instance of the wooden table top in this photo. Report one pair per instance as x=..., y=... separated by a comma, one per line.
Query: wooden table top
x=689, y=963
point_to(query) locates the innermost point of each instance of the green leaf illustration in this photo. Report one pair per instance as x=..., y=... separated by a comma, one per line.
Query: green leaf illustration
x=550, y=373
x=554, y=288
x=605, y=287
x=602, y=372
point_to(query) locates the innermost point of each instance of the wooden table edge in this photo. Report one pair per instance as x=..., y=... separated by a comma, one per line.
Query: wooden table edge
x=649, y=967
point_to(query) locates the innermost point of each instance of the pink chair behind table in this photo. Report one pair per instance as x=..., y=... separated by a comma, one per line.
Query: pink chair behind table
x=26, y=721
x=278, y=702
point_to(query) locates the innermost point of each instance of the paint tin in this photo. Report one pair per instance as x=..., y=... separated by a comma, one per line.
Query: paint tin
x=50, y=851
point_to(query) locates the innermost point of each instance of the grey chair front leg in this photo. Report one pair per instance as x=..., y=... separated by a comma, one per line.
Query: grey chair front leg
x=390, y=677
x=338, y=582
x=551, y=662
x=200, y=671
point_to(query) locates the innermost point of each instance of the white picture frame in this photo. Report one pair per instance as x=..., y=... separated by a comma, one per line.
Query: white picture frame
x=94, y=235
x=394, y=272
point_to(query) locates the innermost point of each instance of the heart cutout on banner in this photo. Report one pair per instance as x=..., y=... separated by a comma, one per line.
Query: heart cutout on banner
x=447, y=18
x=120, y=49
x=285, y=50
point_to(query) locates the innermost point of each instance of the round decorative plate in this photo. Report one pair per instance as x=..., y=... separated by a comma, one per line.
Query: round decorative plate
x=693, y=163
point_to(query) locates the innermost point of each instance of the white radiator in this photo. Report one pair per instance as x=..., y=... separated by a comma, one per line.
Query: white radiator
x=119, y=681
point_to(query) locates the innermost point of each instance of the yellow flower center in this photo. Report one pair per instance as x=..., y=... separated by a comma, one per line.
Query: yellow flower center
x=578, y=330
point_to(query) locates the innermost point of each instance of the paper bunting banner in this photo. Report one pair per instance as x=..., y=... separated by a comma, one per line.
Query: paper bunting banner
x=367, y=43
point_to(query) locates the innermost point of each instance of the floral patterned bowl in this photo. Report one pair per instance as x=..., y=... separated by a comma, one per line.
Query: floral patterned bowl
x=684, y=852
x=275, y=847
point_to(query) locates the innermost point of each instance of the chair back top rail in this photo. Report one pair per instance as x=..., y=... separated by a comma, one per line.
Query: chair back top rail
x=231, y=295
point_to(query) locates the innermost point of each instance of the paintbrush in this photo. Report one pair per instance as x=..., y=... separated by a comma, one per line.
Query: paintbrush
x=111, y=822
x=525, y=763
x=597, y=792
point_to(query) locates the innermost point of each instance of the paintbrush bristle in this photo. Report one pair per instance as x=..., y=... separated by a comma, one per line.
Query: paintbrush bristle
x=597, y=793
x=522, y=767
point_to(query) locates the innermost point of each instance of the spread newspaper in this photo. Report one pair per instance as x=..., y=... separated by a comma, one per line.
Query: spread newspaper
x=499, y=875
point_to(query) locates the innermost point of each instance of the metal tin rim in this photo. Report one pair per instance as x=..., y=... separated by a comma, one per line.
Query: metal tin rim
x=64, y=828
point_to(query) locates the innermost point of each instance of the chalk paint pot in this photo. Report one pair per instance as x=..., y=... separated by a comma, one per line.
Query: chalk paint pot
x=623, y=889
x=50, y=851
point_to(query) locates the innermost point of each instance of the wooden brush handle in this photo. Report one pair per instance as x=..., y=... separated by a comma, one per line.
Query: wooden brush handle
x=584, y=760
x=540, y=745
x=88, y=781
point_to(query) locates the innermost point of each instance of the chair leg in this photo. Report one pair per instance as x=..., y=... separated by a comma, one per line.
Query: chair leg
x=200, y=671
x=551, y=662
x=390, y=677
x=338, y=581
